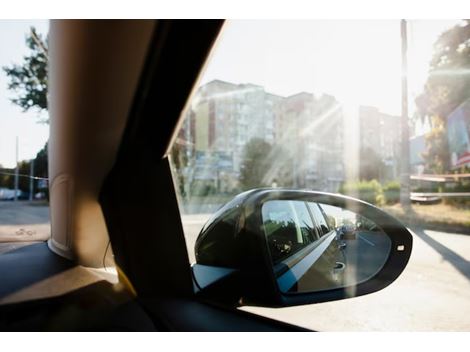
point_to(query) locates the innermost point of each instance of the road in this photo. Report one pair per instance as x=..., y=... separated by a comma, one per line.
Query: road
x=22, y=223
x=433, y=293
x=366, y=255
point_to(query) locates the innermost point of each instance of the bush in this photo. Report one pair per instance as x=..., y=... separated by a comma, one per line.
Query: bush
x=368, y=191
x=391, y=192
x=461, y=186
x=203, y=189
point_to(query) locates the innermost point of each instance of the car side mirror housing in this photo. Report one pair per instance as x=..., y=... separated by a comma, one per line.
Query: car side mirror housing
x=278, y=248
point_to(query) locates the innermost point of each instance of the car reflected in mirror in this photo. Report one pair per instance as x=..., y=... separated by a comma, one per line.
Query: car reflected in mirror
x=317, y=247
x=278, y=247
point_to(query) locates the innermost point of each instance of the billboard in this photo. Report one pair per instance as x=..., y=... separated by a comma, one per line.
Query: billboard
x=458, y=135
x=208, y=165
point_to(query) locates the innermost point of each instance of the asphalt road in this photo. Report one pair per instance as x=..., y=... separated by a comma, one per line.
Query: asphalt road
x=433, y=293
x=365, y=255
x=22, y=223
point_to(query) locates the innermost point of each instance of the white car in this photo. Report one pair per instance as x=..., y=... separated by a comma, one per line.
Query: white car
x=7, y=194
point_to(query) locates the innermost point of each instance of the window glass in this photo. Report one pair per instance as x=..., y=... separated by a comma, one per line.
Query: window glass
x=24, y=132
x=320, y=218
x=305, y=223
x=319, y=105
x=288, y=227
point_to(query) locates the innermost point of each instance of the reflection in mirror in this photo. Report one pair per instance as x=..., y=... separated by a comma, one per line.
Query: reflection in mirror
x=316, y=247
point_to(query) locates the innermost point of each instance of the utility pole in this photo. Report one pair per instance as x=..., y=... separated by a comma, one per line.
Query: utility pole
x=31, y=180
x=405, y=134
x=16, y=171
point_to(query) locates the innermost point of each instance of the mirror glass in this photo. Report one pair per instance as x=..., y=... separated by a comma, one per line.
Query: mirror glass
x=316, y=247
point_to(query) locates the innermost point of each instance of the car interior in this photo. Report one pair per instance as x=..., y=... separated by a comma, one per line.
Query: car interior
x=117, y=258
x=117, y=90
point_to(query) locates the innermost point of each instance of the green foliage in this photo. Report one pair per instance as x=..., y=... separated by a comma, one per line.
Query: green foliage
x=447, y=86
x=368, y=191
x=40, y=170
x=463, y=185
x=29, y=79
x=41, y=163
x=204, y=190
x=391, y=191
x=392, y=186
x=255, y=164
x=436, y=155
x=263, y=165
x=371, y=165
x=6, y=181
x=373, y=192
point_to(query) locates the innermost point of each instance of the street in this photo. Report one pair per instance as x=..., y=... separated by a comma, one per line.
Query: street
x=365, y=255
x=433, y=293
x=22, y=223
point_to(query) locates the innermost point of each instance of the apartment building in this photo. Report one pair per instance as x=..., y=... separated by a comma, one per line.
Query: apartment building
x=380, y=134
x=224, y=117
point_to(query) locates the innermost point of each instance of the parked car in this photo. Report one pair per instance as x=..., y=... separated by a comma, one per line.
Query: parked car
x=7, y=194
x=40, y=195
x=294, y=230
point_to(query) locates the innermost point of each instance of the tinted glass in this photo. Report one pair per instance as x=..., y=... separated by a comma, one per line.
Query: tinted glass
x=320, y=218
x=345, y=257
x=288, y=227
x=281, y=105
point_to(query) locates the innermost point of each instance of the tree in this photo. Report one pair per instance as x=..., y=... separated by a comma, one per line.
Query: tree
x=447, y=86
x=370, y=166
x=5, y=178
x=29, y=79
x=281, y=167
x=41, y=163
x=255, y=164
x=264, y=165
x=436, y=156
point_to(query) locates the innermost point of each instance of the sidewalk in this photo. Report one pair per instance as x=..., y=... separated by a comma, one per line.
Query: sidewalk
x=438, y=217
x=24, y=221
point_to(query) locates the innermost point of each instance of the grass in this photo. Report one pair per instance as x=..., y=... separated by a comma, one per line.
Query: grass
x=439, y=217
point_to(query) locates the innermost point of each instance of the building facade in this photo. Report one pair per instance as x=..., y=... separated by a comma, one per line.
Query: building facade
x=224, y=117
x=380, y=133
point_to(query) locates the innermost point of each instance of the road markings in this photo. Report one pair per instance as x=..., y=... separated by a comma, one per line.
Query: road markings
x=362, y=238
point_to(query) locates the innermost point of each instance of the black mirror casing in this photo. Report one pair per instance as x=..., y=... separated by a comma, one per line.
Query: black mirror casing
x=254, y=281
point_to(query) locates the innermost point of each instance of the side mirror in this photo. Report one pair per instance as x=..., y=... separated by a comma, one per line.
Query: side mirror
x=277, y=248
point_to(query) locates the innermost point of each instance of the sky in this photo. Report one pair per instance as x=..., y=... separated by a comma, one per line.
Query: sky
x=357, y=61
x=13, y=121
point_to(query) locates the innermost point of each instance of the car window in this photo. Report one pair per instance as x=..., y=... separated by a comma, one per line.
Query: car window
x=319, y=105
x=320, y=218
x=288, y=227
x=24, y=132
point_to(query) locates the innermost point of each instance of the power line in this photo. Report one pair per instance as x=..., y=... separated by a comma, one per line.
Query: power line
x=23, y=175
